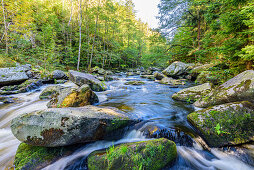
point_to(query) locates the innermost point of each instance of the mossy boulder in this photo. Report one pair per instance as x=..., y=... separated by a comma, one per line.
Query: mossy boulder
x=192, y=94
x=72, y=97
x=66, y=126
x=51, y=91
x=38, y=157
x=239, y=88
x=58, y=74
x=135, y=83
x=158, y=76
x=171, y=81
x=177, y=69
x=84, y=78
x=153, y=154
x=226, y=124
x=150, y=77
x=215, y=77
x=26, y=86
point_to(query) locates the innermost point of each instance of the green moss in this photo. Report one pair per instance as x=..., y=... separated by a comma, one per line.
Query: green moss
x=153, y=154
x=136, y=83
x=236, y=125
x=30, y=157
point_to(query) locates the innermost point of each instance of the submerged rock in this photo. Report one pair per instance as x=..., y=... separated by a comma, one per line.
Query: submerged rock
x=83, y=78
x=135, y=83
x=192, y=94
x=227, y=124
x=177, y=69
x=72, y=97
x=66, y=126
x=239, y=88
x=13, y=75
x=153, y=154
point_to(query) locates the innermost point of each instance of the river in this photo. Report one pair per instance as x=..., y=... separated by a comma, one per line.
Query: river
x=151, y=102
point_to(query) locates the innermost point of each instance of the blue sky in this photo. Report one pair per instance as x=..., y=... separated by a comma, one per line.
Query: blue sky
x=147, y=10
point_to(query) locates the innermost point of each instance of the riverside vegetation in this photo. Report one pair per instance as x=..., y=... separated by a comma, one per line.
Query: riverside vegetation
x=75, y=48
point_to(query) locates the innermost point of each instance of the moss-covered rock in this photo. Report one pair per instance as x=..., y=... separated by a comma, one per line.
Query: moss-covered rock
x=239, y=88
x=171, y=81
x=216, y=77
x=192, y=94
x=150, y=77
x=135, y=83
x=227, y=124
x=177, y=69
x=158, y=76
x=50, y=91
x=73, y=97
x=38, y=157
x=154, y=154
x=66, y=126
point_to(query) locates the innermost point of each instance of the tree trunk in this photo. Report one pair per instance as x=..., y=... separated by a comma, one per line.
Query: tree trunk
x=80, y=24
x=5, y=26
x=96, y=23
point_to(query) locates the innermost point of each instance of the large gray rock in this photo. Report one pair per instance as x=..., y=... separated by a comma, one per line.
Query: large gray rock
x=239, y=88
x=177, y=69
x=66, y=126
x=171, y=81
x=58, y=74
x=13, y=75
x=158, y=76
x=226, y=124
x=192, y=94
x=84, y=78
x=72, y=97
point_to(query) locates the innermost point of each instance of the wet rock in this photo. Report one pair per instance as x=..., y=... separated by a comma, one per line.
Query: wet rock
x=28, y=85
x=158, y=76
x=192, y=94
x=83, y=78
x=171, y=81
x=13, y=75
x=66, y=126
x=135, y=83
x=150, y=77
x=58, y=74
x=38, y=157
x=239, y=88
x=177, y=69
x=152, y=154
x=71, y=97
x=6, y=100
x=51, y=91
x=227, y=124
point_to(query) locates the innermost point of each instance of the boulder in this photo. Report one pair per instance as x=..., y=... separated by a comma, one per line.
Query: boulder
x=226, y=124
x=38, y=157
x=153, y=154
x=239, y=88
x=51, y=91
x=72, y=97
x=135, y=83
x=99, y=70
x=58, y=74
x=171, y=81
x=83, y=78
x=177, y=69
x=192, y=94
x=150, y=77
x=65, y=126
x=26, y=86
x=158, y=76
x=13, y=75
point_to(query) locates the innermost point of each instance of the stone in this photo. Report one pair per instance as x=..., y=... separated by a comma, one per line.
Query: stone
x=84, y=78
x=51, y=91
x=73, y=97
x=135, y=83
x=239, y=88
x=158, y=76
x=66, y=126
x=177, y=69
x=171, y=81
x=192, y=94
x=13, y=75
x=153, y=154
x=226, y=124
x=58, y=74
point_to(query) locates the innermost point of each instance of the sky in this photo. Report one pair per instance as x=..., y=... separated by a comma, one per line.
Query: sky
x=147, y=10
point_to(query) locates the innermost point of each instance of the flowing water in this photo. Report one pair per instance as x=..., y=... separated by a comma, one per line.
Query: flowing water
x=152, y=102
